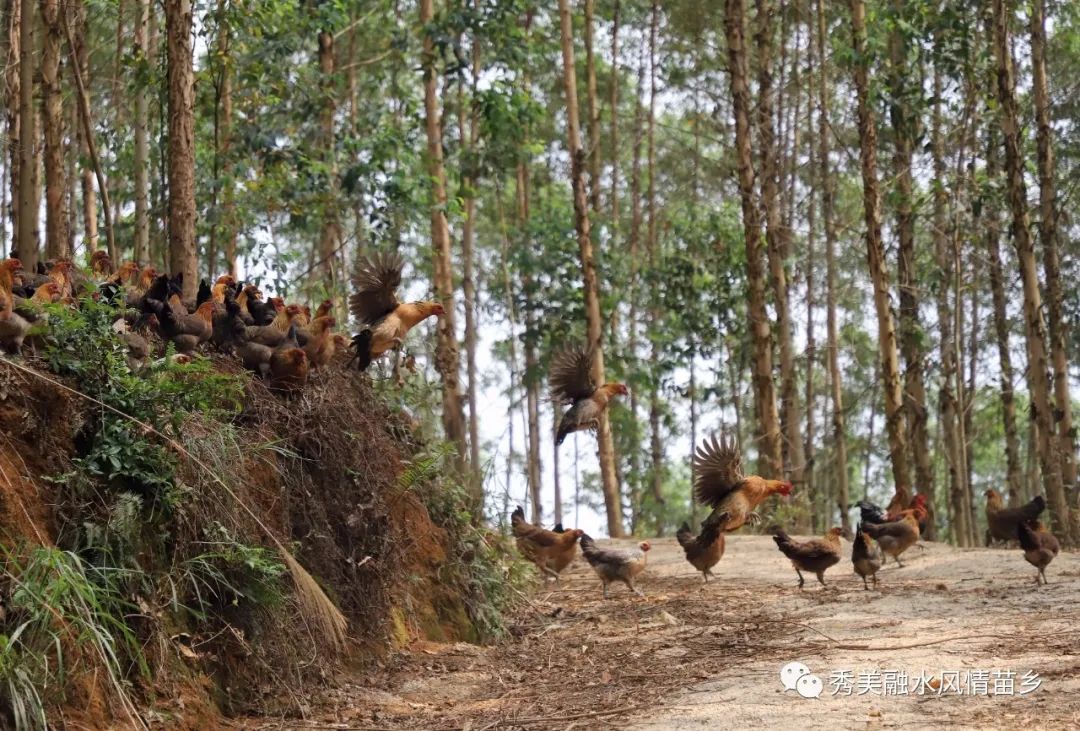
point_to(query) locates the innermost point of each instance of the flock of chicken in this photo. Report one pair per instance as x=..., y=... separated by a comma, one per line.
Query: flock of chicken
x=282, y=343
x=719, y=482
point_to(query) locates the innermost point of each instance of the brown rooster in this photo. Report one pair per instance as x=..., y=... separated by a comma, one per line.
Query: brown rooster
x=189, y=331
x=719, y=482
x=320, y=345
x=704, y=550
x=550, y=551
x=1002, y=522
x=384, y=322
x=573, y=385
x=814, y=556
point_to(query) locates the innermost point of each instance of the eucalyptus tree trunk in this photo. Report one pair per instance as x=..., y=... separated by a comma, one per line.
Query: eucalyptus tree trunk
x=904, y=122
x=142, y=145
x=992, y=238
x=89, y=193
x=594, y=111
x=447, y=360
x=26, y=243
x=770, y=462
x=656, y=445
x=181, y=144
x=875, y=254
x=330, y=234
x=776, y=241
x=52, y=119
x=13, y=96
x=633, y=287
x=828, y=217
x=1035, y=327
x=821, y=509
x=613, y=133
x=225, y=229
x=595, y=322
x=1048, y=233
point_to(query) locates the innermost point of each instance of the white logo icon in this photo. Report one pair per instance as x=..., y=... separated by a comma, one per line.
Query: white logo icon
x=809, y=686
x=790, y=674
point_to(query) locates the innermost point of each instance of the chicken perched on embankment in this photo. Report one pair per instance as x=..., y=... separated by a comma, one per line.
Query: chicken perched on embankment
x=814, y=556
x=896, y=536
x=704, y=550
x=866, y=556
x=550, y=551
x=1002, y=523
x=1040, y=546
x=719, y=482
x=614, y=564
x=573, y=385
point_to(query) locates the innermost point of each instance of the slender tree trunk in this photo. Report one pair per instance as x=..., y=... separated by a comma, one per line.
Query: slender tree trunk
x=228, y=225
x=89, y=193
x=776, y=243
x=447, y=360
x=819, y=507
x=14, y=115
x=992, y=237
x=594, y=112
x=633, y=287
x=467, y=131
x=890, y=366
x=1035, y=327
x=828, y=218
x=613, y=134
x=182, y=255
x=656, y=447
x=330, y=235
x=142, y=144
x=52, y=117
x=26, y=242
x=768, y=420
x=595, y=323
x=1048, y=234
x=903, y=97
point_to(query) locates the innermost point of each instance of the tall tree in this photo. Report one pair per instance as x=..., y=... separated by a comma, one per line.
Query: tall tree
x=1048, y=234
x=1034, y=326
x=89, y=193
x=828, y=219
x=330, y=233
x=26, y=240
x=656, y=449
x=875, y=252
x=181, y=75
x=904, y=104
x=594, y=110
x=612, y=500
x=142, y=141
x=14, y=115
x=52, y=120
x=776, y=243
x=447, y=360
x=768, y=420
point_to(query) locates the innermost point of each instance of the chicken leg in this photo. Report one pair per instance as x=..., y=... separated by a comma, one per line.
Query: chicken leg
x=801, y=579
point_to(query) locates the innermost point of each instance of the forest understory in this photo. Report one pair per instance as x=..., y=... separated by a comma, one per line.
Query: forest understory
x=691, y=655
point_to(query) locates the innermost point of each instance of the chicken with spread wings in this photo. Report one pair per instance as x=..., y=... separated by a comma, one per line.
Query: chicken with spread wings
x=573, y=385
x=719, y=482
x=384, y=322
x=551, y=551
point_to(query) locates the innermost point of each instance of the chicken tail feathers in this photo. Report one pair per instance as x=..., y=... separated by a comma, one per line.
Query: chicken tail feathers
x=361, y=344
x=518, y=516
x=1034, y=509
x=1027, y=537
x=683, y=535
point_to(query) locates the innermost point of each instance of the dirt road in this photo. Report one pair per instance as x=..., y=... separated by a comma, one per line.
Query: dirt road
x=692, y=656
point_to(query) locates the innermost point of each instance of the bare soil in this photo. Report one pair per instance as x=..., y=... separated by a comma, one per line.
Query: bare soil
x=690, y=655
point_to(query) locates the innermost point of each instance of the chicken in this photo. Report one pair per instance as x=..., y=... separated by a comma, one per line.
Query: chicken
x=251, y=306
x=896, y=536
x=13, y=325
x=573, y=385
x=866, y=556
x=550, y=551
x=136, y=339
x=614, y=564
x=814, y=556
x=704, y=550
x=1002, y=522
x=289, y=364
x=189, y=331
x=719, y=483
x=101, y=265
x=326, y=307
x=229, y=331
x=320, y=345
x=1040, y=546
x=137, y=288
x=274, y=333
x=870, y=513
x=384, y=322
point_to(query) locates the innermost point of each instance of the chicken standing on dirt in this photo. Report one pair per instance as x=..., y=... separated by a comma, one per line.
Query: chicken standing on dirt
x=704, y=550
x=1003, y=523
x=814, y=556
x=614, y=564
x=719, y=483
x=896, y=536
x=572, y=385
x=550, y=551
x=384, y=322
x=1040, y=546
x=866, y=556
